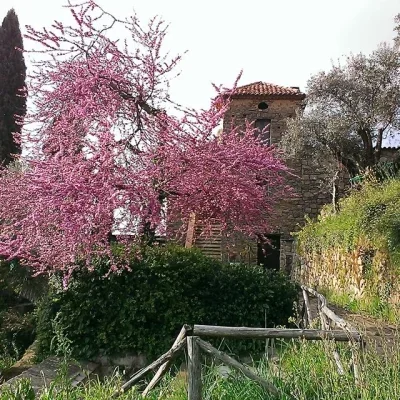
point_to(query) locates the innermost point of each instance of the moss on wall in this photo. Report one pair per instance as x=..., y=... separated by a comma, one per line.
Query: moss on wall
x=355, y=253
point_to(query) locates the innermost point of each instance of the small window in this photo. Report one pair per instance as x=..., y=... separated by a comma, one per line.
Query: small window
x=263, y=130
x=263, y=105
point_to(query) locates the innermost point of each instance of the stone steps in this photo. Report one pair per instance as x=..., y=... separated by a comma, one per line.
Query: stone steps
x=43, y=374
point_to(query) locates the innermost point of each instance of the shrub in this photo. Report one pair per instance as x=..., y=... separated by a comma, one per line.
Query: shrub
x=16, y=335
x=143, y=310
x=16, y=319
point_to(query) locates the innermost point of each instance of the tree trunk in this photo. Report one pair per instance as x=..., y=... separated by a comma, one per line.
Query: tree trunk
x=369, y=158
x=378, y=146
x=335, y=193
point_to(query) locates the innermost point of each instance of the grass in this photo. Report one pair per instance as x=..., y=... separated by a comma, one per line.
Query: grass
x=303, y=370
x=372, y=306
x=7, y=357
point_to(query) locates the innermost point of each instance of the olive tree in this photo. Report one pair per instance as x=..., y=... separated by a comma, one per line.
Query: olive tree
x=350, y=110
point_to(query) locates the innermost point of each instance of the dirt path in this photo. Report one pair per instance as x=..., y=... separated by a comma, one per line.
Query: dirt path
x=377, y=333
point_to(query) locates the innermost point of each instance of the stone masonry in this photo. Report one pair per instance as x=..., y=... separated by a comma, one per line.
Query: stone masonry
x=261, y=101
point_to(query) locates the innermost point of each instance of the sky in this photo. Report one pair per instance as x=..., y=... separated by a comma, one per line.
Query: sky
x=278, y=41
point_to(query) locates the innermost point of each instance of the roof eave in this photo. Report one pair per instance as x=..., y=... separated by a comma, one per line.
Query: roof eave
x=300, y=96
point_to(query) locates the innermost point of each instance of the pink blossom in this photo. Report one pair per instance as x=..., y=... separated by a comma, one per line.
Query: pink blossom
x=102, y=141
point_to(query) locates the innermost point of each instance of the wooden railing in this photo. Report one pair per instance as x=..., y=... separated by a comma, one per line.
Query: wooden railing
x=329, y=320
x=191, y=338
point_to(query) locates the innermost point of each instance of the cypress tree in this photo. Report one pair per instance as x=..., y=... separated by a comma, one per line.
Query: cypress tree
x=12, y=79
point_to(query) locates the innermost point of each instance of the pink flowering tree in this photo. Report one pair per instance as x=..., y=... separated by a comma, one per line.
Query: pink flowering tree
x=111, y=152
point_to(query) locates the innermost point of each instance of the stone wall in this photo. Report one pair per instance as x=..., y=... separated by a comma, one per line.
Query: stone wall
x=311, y=192
x=247, y=109
x=362, y=273
x=310, y=184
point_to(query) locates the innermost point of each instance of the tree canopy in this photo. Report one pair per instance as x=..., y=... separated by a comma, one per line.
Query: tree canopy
x=12, y=83
x=111, y=151
x=351, y=109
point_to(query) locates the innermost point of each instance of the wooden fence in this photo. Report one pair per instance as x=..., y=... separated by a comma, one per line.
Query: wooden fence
x=191, y=338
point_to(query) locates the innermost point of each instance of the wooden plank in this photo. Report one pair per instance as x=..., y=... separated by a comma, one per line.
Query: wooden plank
x=190, y=230
x=206, y=243
x=323, y=318
x=264, y=333
x=194, y=369
x=316, y=294
x=161, y=371
x=206, y=347
x=338, y=362
x=340, y=322
x=356, y=369
x=308, y=308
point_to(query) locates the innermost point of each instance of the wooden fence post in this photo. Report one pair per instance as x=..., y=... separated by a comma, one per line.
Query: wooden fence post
x=308, y=308
x=194, y=369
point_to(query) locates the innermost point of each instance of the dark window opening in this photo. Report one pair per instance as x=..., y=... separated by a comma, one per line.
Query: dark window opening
x=263, y=130
x=268, y=253
x=263, y=105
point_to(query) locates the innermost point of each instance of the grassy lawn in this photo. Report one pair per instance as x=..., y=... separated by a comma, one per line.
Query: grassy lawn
x=301, y=370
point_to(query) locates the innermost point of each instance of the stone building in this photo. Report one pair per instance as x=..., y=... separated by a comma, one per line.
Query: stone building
x=269, y=105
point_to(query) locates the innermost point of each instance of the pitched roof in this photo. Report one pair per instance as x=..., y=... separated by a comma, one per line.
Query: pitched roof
x=265, y=89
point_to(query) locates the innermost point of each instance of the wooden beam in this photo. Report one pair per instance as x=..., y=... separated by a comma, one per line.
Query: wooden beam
x=171, y=353
x=206, y=347
x=315, y=293
x=194, y=369
x=161, y=371
x=265, y=333
x=340, y=322
x=308, y=308
x=338, y=362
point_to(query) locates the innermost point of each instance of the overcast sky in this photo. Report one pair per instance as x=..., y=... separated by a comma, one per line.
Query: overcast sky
x=277, y=41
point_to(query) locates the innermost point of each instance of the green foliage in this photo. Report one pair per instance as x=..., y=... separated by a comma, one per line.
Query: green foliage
x=370, y=304
x=16, y=334
x=302, y=370
x=12, y=80
x=16, y=320
x=370, y=215
x=369, y=224
x=142, y=310
x=7, y=357
x=20, y=390
x=17, y=283
x=385, y=170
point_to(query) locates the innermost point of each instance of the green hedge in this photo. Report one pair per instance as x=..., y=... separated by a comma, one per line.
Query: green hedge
x=143, y=310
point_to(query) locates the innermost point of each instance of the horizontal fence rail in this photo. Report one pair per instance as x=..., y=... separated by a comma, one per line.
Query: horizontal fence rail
x=274, y=333
x=190, y=339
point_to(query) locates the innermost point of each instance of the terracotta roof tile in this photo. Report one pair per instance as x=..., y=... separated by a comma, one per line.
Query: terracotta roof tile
x=268, y=89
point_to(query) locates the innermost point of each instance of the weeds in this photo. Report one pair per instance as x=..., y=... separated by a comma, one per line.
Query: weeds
x=301, y=370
